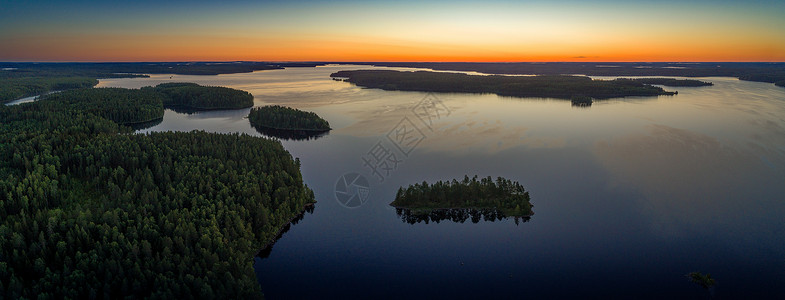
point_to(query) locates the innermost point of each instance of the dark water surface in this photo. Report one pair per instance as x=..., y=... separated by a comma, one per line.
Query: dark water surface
x=629, y=194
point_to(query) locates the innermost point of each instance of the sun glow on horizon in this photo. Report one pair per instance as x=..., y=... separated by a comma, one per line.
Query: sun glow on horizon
x=499, y=31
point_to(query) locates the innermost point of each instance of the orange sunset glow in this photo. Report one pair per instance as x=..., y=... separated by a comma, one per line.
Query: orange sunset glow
x=344, y=31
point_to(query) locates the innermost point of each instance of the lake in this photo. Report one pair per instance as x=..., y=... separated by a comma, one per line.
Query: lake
x=629, y=194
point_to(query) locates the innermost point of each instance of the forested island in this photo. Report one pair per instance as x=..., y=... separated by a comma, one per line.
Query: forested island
x=500, y=197
x=286, y=122
x=556, y=86
x=90, y=210
x=192, y=95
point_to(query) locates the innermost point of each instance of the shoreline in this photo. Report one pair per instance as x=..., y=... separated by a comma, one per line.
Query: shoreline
x=293, y=129
x=269, y=244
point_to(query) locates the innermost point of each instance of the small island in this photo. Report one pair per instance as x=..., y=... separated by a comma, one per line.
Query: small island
x=288, y=123
x=545, y=86
x=500, y=196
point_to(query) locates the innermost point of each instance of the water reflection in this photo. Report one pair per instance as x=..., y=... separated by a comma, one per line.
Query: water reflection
x=581, y=104
x=265, y=252
x=295, y=135
x=186, y=110
x=633, y=192
x=457, y=215
x=146, y=125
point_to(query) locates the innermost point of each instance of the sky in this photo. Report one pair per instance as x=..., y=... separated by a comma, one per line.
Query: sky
x=493, y=30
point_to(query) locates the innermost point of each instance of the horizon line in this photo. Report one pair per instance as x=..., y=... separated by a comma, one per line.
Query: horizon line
x=371, y=61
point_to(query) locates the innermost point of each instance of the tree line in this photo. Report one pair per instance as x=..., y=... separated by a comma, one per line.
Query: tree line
x=90, y=210
x=553, y=86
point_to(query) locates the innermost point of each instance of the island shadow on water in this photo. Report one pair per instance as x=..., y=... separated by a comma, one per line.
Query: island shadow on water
x=457, y=215
x=145, y=125
x=286, y=134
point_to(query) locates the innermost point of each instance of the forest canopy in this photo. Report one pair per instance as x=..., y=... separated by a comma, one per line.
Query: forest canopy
x=123, y=106
x=88, y=209
x=554, y=86
x=503, y=195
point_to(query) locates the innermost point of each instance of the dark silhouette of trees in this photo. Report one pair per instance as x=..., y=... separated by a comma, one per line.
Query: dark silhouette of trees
x=503, y=195
x=773, y=72
x=670, y=81
x=554, y=86
x=704, y=280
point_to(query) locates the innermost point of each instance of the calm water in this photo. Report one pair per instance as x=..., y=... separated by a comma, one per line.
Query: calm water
x=630, y=194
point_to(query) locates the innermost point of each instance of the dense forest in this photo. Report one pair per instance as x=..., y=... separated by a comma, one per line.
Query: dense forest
x=554, y=86
x=670, y=81
x=90, y=210
x=773, y=72
x=192, y=95
x=286, y=118
x=503, y=195
x=123, y=106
